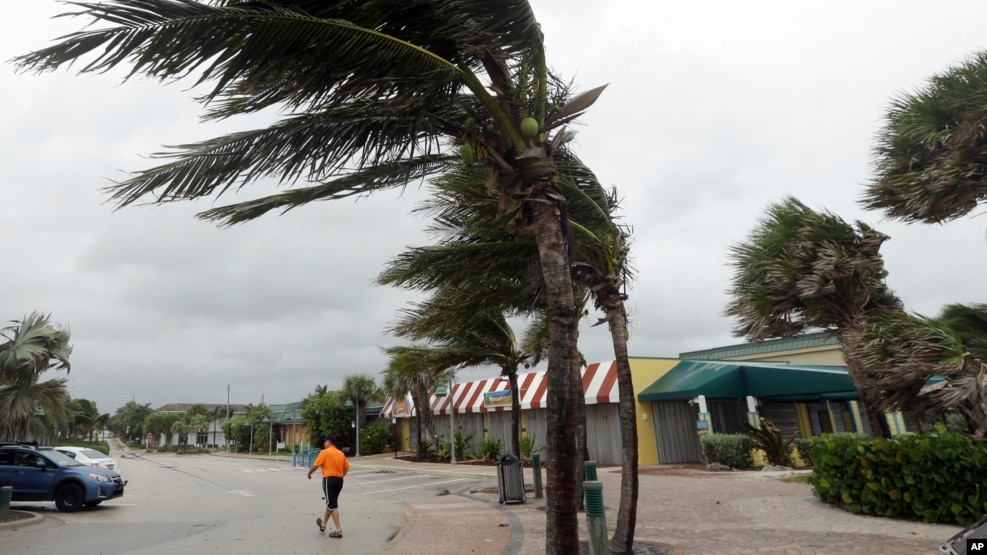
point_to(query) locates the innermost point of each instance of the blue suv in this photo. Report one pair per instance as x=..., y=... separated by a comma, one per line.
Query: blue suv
x=46, y=475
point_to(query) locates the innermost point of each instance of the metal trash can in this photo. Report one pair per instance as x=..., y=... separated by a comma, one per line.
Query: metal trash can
x=510, y=479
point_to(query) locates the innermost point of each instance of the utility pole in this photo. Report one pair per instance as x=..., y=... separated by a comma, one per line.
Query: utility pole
x=226, y=441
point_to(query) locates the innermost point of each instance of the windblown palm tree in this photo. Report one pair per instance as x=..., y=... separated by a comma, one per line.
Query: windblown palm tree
x=463, y=332
x=489, y=268
x=410, y=369
x=31, y=347
x=969, y=323
x=802, y=269
x=375, y=93
x=902, y=353
x=931, y=157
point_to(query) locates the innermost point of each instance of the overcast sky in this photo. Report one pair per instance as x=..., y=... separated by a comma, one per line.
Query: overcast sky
x=714, y=111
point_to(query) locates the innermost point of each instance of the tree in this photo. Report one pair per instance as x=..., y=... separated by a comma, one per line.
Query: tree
x=30, y=347
x=931, y=152
x=464, y=333
x=409, y=369
x=801, y=269
x=375, y=93
x=128, y=420
x=89, y=418
x=969, y=323
x=491, y=270
x=361, y=389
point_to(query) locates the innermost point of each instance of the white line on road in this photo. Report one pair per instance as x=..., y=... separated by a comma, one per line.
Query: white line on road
x=412, y=487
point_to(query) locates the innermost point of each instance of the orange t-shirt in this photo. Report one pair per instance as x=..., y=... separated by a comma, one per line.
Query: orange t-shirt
x=333, y=462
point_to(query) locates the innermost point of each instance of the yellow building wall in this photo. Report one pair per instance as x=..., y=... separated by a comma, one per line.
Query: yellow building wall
x=645, y=372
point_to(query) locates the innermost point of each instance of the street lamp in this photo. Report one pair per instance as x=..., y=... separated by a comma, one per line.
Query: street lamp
x=251, y=447
x=356, y=421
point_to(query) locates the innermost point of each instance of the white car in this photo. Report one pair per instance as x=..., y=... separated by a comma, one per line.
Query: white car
x=90, y=457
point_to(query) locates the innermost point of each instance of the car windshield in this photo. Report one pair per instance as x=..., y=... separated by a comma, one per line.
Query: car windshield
x=93, y=454
x=60, y=459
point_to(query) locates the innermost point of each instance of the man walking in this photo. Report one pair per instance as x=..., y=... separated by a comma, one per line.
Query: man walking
x=334, y=466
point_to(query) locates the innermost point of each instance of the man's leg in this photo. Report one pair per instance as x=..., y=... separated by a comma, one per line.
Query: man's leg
x=335, y=520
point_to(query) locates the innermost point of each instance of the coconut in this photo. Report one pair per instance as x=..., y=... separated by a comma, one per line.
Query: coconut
x=529, y=127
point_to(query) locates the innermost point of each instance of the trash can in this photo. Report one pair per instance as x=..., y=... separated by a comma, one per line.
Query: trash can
x=5, y=494
x=510, y=479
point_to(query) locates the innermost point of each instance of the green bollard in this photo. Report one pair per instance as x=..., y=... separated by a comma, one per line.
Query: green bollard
x=536, y=467
x=5, y=494
x=596, y=518
x=590, y=471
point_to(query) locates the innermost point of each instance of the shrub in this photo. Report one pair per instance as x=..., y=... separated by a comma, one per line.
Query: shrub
x=768, y=438
x=375, y=436
x=491, y=449
x=464, y=445
x=937, y=478
x=529, y=445
x=733, y=450
x=803, y=446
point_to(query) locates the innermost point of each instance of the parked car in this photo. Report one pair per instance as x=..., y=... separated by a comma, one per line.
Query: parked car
x=88, y=456
x=47, y=475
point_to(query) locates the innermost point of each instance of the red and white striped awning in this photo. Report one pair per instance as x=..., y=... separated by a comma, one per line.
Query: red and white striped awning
x=599, y=385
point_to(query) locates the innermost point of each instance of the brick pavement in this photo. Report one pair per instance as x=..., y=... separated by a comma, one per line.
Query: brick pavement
x=691, y=511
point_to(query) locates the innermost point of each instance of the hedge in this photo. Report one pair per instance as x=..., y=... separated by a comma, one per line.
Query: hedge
x=733, y=450
x=938, y=478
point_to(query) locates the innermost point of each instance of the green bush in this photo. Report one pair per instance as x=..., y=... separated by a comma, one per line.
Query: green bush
x=937, y=478
x=464, y=445
x=491, y=449
x=528, y=445
x=733, y=450
x=803, y=446
x=768, y=438
x=375, y=436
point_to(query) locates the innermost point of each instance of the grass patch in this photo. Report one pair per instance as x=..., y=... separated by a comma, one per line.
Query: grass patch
x=797, y=479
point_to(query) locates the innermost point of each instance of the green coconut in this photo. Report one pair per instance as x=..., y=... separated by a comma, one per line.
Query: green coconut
x=470, y=122
x=466, y=153
x=529, y=127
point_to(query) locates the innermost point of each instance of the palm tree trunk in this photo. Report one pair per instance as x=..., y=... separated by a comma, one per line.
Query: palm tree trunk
x=848, y=338
x=562, y=531
x=623, y=535
x=515, y=414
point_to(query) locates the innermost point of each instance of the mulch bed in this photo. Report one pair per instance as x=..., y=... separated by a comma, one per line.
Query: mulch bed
x=14, y=516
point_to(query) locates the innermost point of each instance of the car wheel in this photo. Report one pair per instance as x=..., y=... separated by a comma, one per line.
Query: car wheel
x=93, y=503
x=69, y=498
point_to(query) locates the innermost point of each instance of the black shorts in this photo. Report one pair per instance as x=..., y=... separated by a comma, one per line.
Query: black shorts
x=331, y=487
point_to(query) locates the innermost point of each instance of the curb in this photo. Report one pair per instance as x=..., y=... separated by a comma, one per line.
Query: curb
x=35, y=518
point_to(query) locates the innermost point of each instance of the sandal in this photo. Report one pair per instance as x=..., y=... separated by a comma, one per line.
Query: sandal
x=338, y=534
x=318, y=522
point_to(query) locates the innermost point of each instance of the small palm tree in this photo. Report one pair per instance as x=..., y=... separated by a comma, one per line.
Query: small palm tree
x=410, y=369
x=29, y=348
x=361, y=389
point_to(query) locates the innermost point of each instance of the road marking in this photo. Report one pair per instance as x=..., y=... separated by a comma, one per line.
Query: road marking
x=389, y=480
x=421, y=486
x=241, y=492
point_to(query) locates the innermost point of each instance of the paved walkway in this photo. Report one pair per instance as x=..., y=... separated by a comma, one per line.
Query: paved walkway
x=687, y=509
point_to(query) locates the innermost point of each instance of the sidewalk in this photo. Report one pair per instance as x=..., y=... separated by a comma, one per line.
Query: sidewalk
x=683, y=508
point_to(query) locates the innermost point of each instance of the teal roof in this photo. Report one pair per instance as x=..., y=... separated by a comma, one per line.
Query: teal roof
x=735, y=379
x=806, y=341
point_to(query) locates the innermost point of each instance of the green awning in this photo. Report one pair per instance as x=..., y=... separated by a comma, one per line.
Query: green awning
x=765, y=380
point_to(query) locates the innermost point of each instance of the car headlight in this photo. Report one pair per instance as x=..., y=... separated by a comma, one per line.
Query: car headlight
x=100, y=478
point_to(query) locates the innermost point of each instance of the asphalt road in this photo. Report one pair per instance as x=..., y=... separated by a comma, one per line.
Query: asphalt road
x=196, y=504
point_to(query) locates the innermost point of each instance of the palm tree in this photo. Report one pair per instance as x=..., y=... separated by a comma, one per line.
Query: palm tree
x=361, y=389
x=375, y=93
x=89, y=417
x=903, y=352
x=409, y=369
x=463, y=333
x=129, y=419
x=930, y=156
x=802, y=269
x=498, y=270
x=969, y=323
x=31, y=347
